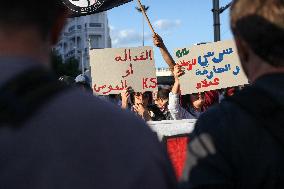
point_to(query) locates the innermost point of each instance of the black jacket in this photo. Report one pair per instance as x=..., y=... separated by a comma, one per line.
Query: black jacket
x=240, y=143
x=74, y=140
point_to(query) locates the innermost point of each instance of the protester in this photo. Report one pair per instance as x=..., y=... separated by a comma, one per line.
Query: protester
x=162, y=102
x=194, y=106
x=210, y=97
x=53, y=136
x=240, y=143
x=140, y=103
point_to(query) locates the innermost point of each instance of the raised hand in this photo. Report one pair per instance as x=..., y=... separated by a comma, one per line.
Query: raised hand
x=158, y=41
x=178, y=71
x=125, y=94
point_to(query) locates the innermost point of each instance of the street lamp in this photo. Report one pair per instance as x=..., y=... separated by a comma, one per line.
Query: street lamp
x=143, y=20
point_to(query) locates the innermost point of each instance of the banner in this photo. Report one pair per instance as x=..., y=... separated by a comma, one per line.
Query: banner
x=209, y=67
x=113, y=70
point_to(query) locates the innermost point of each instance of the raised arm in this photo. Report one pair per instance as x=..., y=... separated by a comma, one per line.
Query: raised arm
x=177, y=73
x=176, y=110
x=158, y=41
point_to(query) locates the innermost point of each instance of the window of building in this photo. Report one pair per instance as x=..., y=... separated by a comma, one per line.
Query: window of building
x=95, y=24
x=72, y=28
x=79, y=27
x=95, y=41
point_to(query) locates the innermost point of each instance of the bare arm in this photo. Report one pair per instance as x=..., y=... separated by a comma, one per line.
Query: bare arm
x=176, y=110
x=164, y=51
x=177, y=73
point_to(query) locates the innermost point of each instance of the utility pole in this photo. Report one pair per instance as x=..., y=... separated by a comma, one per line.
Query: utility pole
x=143, y=22
x=217, y=11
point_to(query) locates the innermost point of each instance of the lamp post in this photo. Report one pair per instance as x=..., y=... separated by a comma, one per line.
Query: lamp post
x=217, y=11
x=143, y=22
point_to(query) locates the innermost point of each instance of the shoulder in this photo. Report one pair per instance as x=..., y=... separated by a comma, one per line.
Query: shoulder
x=80, y=127
x=76, y=115
x=74, y=108
x=217, y=119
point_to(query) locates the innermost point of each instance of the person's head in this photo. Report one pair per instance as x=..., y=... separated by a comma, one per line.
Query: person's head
x=162, y=98
x=37, y=24
x=197, y=100
x=258, y=27
x=140, y=98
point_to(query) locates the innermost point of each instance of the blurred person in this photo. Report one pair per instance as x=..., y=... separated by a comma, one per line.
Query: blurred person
x=240, y=143
x=140, y=103
x=54, y=136
x=193, y=105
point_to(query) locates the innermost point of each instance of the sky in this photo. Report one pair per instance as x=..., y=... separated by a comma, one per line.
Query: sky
x=181, y=23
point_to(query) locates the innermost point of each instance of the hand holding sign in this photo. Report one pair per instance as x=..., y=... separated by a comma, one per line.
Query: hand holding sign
x=178, y=72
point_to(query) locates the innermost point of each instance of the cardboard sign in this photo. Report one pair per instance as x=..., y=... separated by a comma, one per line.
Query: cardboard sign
x=113, y=70
x=209, y=67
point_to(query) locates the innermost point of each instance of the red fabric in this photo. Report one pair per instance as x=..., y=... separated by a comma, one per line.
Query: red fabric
x=177, y=148
x=230, y=91
x=211, y=98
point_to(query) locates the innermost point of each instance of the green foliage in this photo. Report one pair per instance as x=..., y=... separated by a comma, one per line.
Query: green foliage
x=69, y=68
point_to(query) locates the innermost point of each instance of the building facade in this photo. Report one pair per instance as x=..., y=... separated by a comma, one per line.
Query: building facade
x=81, y=34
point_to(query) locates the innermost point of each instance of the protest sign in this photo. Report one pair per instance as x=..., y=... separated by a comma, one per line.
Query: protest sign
x=209, y=67
x=113, y=70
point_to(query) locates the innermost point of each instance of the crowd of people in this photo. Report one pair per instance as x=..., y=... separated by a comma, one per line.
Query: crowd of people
x=53, y=136
x=165, y=104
